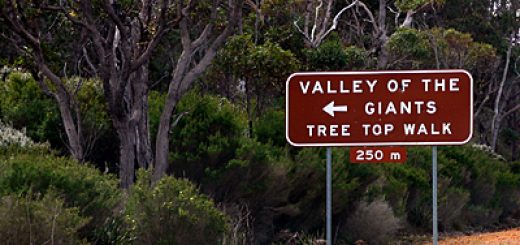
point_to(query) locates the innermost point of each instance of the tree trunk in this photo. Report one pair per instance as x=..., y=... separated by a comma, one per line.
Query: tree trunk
x=127, y=159
x=496, y=131
x=72, y=128
x=513, y=123
x=382, y=38
x=184, y=76
x=132, y=125
x=497, y=110
x=142, y=123
x=162, y=139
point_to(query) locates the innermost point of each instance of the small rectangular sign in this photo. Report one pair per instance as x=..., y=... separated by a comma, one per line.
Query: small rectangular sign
x=391, y=154
x=379, y=108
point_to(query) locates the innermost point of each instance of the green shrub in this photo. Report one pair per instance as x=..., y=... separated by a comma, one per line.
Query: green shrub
x=156, y=102
x=270, y=128
x=410, y=47
x=81, y=186
x=475, y=188
x=25, y=106
x=15, y=141
x=35, y=220
x=329, y=56
x=263, y=67
x=356, y=57
x=207, y=136
x=172, y=212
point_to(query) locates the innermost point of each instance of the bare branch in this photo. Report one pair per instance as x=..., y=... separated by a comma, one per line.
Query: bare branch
x=17, y=27
x=408, y=19
x=162, y=29
x=107, y=5
x=316, y=19
x=510, y=111
x=371, y=16
x=177, y=119
x=336, y=18
x=208, y=29
x=320, y=30
x=43, y=86
x=301, y=31
x=89, y=62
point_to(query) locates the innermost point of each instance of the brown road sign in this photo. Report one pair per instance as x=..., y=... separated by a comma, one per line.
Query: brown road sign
x=395, y=154
x=427, y=107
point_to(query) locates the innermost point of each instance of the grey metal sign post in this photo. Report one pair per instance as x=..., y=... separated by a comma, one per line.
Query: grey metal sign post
x=329, y=196
x=434, y=195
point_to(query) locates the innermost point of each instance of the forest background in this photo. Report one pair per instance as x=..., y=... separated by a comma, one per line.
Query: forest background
x=162, y=122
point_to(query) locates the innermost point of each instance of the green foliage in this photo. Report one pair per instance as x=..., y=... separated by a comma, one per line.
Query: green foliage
x=459, y=50
x=270, y=65
x=281, y=187
x=406, y=5
x=234, y=56
x=356, y=57
x=25, y=106
x=172, y=212
x=470, y=179
x=329, y=56
x=156, y=102
x=474, y=17
x=409, y=47
x=92, y=104
x=39, y=220
x=210, y=130
x=81, y=186
x=270, y=128
x=263, y=67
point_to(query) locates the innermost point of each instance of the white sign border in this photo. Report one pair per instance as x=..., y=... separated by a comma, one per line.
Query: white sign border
x=429, y=143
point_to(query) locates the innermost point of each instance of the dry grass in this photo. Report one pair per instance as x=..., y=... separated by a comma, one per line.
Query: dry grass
x=508, y=237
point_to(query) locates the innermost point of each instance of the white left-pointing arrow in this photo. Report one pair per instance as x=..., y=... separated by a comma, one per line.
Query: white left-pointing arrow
x=330, y=108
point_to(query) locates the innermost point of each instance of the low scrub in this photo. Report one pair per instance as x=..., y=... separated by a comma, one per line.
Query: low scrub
x=34, y=220
x=373, y=222
x=172, y=212
x=85, y=188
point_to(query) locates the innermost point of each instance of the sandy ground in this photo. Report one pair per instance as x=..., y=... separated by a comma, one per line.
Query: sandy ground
x=509, y=237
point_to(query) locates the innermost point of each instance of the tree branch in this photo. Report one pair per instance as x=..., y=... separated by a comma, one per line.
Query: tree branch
x=162, y=29
x=510, y=111
x=336, y=18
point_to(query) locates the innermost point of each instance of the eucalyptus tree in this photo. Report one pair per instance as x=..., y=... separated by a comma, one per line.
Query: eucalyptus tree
x=115, y=41
x=366, y=18
x=48, y=44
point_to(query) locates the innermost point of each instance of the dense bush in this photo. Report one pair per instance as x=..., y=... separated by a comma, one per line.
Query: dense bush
x=24, y=106
x=172, y=212
x=475, y=188
x=253, y=72
x=95, y=195
x=39, y=220
x=11, y=138
x=270, y=128
x=332, y=55
x=409, y=48
x=285, y=188
x=329, y=56
x=207, y=136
